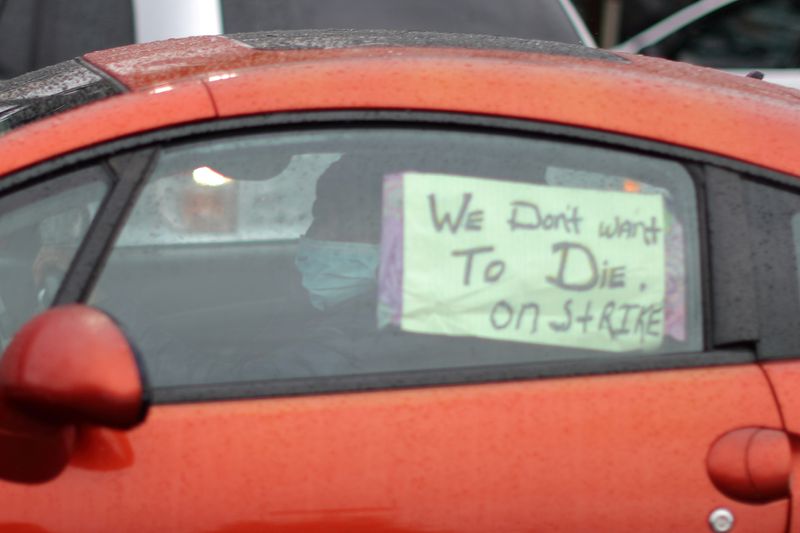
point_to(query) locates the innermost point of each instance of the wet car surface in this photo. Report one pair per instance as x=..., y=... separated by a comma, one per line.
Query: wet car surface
x=396, y=281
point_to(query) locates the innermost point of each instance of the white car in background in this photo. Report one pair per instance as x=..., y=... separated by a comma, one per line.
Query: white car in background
x=736, y=35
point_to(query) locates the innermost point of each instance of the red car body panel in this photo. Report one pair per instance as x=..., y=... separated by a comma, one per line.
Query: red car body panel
x=552, y=455
x=586, y=94
x=649, y=98
x=610, y=452
x=105, y=120
x=784, y=377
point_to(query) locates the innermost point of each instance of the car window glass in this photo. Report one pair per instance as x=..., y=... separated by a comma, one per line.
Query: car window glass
x=745, y=34
x=286, y=255
x=40, y=230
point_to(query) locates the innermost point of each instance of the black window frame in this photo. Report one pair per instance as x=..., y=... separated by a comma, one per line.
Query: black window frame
x=132, y=158
x=774, y=253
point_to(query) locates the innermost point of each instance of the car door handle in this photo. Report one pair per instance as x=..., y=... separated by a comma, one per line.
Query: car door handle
x=752, y=465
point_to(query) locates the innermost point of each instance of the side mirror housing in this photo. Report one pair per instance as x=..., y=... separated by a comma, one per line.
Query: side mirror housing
x=66, y=367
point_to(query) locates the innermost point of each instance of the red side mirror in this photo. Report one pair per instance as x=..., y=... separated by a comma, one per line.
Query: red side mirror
x=68, y=366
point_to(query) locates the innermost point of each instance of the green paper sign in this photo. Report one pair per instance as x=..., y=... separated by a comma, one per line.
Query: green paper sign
x=532, y=263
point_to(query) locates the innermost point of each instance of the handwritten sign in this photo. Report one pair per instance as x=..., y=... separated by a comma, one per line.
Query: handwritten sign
x=520, y=262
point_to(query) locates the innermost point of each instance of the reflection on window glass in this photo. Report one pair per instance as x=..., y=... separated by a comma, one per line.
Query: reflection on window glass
x=202, y=205
x=40, y=231
x=763, y=33
x=342, y=252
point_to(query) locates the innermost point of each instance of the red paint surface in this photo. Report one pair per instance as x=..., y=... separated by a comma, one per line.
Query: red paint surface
x=102, y=449
x=606, y=453
x=102, y=121
x=637, y=100
x=147, y=65
x=784, y=377
x=700, y=108
x=752, y=464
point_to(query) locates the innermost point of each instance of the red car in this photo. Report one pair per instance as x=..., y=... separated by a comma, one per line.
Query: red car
x=397, y=281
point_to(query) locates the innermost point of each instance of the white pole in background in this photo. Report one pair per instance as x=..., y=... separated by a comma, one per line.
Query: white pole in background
x=610, y=23
x=155, y=20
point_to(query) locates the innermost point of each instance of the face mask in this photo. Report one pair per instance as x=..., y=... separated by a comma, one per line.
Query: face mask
x=334, y=272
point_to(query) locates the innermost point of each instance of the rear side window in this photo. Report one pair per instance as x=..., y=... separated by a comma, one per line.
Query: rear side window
x=360, y=251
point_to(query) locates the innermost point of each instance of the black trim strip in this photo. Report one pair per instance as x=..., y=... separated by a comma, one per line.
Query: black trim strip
x=449, y=377
x=131, y=171
x=770, y=211
x=703, y=284
x=733, y=275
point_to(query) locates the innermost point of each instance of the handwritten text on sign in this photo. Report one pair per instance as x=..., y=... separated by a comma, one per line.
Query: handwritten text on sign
x=531, y=263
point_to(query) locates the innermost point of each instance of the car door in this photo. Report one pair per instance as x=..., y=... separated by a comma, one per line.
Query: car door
x=401, y=326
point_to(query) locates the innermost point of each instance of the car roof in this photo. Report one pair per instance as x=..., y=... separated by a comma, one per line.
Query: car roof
x=186, y=80
x=144, y=65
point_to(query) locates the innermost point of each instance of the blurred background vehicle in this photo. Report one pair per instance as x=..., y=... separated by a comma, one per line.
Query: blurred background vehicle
x=737, y=35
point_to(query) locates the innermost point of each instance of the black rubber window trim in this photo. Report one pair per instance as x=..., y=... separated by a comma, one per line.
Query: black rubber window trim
x=732, y=279
x=129, y=171
x=773, y=252
x=448, y=377
x=80, y=286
